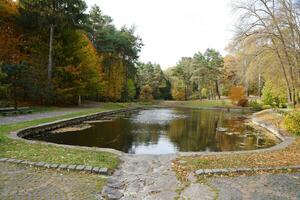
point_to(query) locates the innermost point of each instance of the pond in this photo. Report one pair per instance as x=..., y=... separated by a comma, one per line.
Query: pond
x=168, y=130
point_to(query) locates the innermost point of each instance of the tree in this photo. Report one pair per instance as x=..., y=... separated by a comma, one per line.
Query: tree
x=274, y=25
x=184, y=70
x=121, y=43
x=13, y=79
x=79, y=73
x=54, y=13
x=131, y=89
x=146, y=93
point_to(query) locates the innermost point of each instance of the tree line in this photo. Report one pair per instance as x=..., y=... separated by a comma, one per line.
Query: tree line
x=55, y=52
x=263, y=58
x=264, y=55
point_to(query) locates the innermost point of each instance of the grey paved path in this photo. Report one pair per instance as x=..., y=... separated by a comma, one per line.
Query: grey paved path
x=20, y=182
x=29, y=117
x=144, y=177
x=258, y=187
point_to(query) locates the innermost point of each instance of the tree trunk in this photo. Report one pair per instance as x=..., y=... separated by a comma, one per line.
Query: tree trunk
x=217, y=89
x=259, y=80
x=185, y=93
x=50, y=61
x=15, y=93
x=79, y=100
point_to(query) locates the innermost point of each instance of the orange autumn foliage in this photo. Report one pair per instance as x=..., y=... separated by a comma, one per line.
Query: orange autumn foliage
x=236, y=94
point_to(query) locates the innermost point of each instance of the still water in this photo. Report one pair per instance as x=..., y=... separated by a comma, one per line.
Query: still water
x=168, y=130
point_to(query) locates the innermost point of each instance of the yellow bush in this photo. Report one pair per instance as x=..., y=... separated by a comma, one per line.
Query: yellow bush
x=236, y=94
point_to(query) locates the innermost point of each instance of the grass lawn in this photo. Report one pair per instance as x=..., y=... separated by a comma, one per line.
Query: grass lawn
x=197, y=103
x=47, y=153
x=285, y=157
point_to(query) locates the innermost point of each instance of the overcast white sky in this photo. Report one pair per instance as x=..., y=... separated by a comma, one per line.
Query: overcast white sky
x=171, y=29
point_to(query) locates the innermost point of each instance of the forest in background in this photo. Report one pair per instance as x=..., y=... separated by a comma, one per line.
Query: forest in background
x=57, y=52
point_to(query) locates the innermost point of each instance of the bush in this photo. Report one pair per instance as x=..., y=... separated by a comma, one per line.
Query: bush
x=178, y=94
x=264, y=107
x=243, y=102
x=146, y=93
x=292, y=122
x=236, y=94
x=255, y=106
x=274, y=95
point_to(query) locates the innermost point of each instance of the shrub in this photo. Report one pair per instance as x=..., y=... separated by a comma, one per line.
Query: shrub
x=236, y=93
x=255, y=106
x=274, y=95
x=292, y=122
x=243, y=102
x=146, y=93
x=204, y=93
x=264, y=107
x=178, y=93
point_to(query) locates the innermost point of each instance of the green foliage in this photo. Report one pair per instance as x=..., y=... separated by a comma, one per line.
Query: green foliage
x=152, y=75
x=200, y=71
x=274, y=95
x=79, y=73
x=292, y=122
x=131, y=89
x=204, y=93
x=255, y=105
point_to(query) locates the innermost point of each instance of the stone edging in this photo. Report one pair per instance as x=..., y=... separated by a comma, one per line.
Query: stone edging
x=83, y=168
x=286, y=141
x=242, y=170
x=33, y=130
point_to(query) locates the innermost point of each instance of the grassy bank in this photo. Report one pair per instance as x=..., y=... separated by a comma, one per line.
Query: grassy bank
x=197, y=103
x=47, y=153
x=286, y=157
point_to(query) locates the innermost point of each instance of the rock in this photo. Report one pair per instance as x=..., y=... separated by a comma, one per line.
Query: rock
x=80, y=167
x=200, y=172
x=111, y=193
x=221, y=129
x=182, y=162
x=198, y=191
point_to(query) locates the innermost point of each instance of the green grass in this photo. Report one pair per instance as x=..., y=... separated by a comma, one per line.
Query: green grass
x=43, y=109
x=209, y=103
x=202, y=103
x=48, y=153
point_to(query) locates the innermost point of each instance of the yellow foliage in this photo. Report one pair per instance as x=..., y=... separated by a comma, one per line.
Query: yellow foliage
x=146, y=93
x=236, y=93
x=178, y=93
x=114, y=76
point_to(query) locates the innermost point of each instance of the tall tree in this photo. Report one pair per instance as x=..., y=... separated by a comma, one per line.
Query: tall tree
x=53, y=13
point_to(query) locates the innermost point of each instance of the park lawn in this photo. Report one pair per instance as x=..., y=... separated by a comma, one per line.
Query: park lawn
x=200, y=103
x=18, y=149
x=285, y=157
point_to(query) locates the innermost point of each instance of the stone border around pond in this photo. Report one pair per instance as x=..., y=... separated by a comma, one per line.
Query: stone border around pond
x=286, y=141
x=20, y=134
x=200, y=172
x=34, y=130
x=82, y=168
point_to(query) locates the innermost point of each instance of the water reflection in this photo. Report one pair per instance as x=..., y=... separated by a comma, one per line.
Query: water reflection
x=161, y=131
